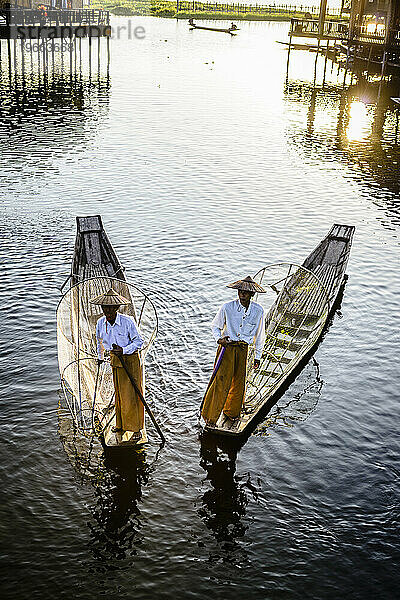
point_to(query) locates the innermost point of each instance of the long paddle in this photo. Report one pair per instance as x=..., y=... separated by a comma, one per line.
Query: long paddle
x=217, y=365
x=143, y=401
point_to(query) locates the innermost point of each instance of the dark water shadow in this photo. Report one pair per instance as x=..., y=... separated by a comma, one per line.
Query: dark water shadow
x=297, y=403
x=115, y=529
x=222, y=507
x=117, y=477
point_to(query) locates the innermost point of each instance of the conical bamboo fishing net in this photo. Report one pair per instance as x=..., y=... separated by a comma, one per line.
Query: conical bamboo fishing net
x=296, y=306
x=88, y=386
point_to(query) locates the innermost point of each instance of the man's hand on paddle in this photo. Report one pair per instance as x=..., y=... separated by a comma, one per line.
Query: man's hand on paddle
x=256, y=364
x=117, y=350
x=224, y=341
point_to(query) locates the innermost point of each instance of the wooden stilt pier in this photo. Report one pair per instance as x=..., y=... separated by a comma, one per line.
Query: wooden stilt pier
x=37, y=24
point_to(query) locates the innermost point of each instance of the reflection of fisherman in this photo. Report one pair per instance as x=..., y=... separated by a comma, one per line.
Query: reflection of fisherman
x=236, y=325
x=119, y=334
x=117, y=519
x=223, y=504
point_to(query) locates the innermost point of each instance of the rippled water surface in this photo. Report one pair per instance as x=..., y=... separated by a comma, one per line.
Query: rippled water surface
x=205, y=163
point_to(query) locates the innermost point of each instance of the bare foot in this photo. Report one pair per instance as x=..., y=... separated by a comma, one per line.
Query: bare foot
x=230, y=418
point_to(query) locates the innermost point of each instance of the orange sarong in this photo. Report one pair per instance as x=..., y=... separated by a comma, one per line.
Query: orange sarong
x=226, y=391
x=129, y=410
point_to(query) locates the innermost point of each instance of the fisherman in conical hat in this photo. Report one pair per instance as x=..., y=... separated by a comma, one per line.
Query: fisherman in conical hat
x=236, y=325
x=119, y=334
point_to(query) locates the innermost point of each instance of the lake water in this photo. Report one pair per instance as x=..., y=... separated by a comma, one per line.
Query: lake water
x=206, y=164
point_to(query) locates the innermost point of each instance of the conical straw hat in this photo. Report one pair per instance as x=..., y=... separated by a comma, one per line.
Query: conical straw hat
x=247, y=285
x=110, y=298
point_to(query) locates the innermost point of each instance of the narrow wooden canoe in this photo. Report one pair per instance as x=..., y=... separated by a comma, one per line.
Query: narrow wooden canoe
x=298, y=303
x=230, y=30
x=87, y=386
x=93, y=255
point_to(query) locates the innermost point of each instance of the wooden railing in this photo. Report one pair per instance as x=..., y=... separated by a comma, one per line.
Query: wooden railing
x=58, y=17
x=333, y=29
x=377, y=37
x=340, y=30
x=193, y=6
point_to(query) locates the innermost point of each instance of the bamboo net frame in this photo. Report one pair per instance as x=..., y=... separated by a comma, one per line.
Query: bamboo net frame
x=87, y=385
x=297, y=307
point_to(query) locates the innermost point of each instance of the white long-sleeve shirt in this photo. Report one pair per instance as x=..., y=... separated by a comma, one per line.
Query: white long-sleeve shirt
x=240, y=324
x=123, y=332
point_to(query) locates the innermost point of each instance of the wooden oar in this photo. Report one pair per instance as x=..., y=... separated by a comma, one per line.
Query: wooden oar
x=95, y=390
x=217, y=365
x=143, y=401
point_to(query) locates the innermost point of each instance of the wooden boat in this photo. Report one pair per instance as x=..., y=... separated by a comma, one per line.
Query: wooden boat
x=88, y=387
x=298, y=303
x=231, y=30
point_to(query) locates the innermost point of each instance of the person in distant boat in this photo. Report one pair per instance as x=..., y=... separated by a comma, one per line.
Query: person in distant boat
x=233, y=26
x=236, y=325
x=191, y=22
x=119, y=334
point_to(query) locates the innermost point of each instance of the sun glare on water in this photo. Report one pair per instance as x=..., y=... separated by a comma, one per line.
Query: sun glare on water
x=359, y=121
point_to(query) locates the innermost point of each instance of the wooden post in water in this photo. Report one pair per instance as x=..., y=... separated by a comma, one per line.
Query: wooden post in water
x=70, y=59
x=369, y=58
x=326, y=60
x=52, y=56
x=288, y=56
x=15, y=57
x=90, y=56
x=45, y=56
x=38, y=53
x=98, y=56
x=75, y=56
x=316, y=59
x=23, y=61
x=31, y=55
x=322, y=14
x=108, y=59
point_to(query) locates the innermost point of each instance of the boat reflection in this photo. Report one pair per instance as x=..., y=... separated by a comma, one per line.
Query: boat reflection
x=117, y=478
x=358, y=125
x=297, y=403
x=116, y=525
x=222, y=507
x=51, y=100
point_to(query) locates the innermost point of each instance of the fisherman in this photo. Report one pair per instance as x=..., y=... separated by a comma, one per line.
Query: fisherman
x=119, y=334
x=236, y=325
x=233, y=26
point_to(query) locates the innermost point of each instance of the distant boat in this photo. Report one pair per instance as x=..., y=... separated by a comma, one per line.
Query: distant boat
x=232, y=30
x=88, y=386
x=298, y=303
